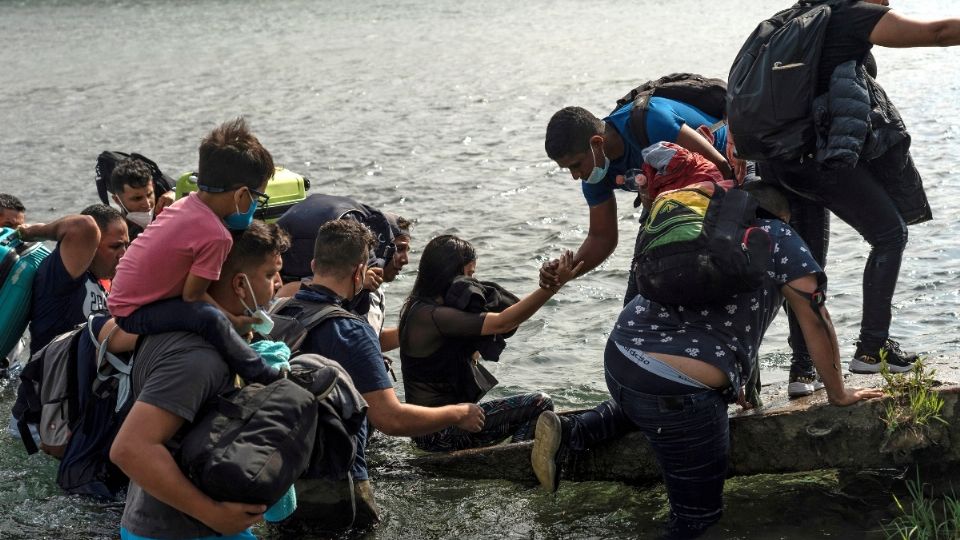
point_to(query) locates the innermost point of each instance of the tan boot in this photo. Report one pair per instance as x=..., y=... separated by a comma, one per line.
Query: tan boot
x=367, y=511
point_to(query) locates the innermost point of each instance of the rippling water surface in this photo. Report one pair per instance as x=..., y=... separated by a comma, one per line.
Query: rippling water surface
x=437, y=110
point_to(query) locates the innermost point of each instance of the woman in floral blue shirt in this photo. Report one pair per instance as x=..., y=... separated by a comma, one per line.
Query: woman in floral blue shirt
x=673, y=369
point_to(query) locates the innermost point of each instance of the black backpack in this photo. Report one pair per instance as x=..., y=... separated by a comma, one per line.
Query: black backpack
x=254, y=443
x=698, y=245
x=708, y=95
x=773, y=80
x=302, y=221
x=108, y=159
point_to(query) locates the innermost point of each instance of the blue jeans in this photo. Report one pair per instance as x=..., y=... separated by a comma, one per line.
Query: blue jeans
x=175, y=315
x=689, y=433
x=359, y=470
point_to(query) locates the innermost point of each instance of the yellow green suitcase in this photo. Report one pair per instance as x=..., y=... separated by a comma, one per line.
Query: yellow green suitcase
x=285, y=188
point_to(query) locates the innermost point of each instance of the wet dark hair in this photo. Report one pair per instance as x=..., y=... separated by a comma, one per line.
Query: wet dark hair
x=9, y=202
x=232, y=158
x=254, y=245
x=336, y=241
x=130, y=172
x=569, y=132
x=442, y=260
x=104, y=215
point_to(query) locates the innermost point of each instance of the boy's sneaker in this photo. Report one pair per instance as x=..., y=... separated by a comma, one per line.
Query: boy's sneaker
x=870, y=360
x=547, y=453
x=803, y=377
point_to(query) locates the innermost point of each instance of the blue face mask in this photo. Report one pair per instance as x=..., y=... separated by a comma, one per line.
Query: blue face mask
x=598, y=173
x=238, y=221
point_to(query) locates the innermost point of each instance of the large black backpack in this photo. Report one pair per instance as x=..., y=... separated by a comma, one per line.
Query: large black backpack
x=108, y=159
x=699, y=245
x=302, y=221
x=254, y=443
x=773, y=80
x=708, y=95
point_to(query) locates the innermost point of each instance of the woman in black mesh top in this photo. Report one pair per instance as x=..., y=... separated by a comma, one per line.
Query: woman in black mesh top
x=439, y=347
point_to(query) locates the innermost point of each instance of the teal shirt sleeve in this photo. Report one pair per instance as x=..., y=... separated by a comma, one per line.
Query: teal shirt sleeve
x=599, y=192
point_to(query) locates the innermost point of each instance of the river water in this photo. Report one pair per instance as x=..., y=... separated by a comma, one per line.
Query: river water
x=437, y=110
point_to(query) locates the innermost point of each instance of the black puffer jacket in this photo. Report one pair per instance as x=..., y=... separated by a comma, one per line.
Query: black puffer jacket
x=887, y=154
x=842, y=118
x=856, y=122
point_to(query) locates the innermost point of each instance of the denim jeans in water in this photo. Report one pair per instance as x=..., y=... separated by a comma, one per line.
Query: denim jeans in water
x=856, y=197
x=514, y=416
x=690, y=436
x=175, y=315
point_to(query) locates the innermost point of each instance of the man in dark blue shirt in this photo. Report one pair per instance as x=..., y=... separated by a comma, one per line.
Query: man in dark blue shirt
x=67, y=287
x=339, y=266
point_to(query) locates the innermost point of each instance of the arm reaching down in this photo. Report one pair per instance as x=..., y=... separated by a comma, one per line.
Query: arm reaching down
x=806, y=302
x=599, y=244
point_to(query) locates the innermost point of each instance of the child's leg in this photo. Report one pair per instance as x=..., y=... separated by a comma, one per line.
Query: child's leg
x=175, y=315
x=169, y=315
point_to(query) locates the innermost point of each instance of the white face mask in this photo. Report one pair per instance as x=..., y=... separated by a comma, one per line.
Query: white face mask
x=598, y=174
x=266, y=323
x=139, y=218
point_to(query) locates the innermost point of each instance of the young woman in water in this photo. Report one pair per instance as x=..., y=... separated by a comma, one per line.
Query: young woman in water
x=439, y=346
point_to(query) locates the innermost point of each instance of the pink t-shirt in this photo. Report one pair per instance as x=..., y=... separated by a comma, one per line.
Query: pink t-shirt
x=187, y=237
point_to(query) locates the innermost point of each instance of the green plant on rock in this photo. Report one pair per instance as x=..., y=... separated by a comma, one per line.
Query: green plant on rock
x=914, y=403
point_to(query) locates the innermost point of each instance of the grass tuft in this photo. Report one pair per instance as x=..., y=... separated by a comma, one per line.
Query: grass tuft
x=914, y=404
x=922, y=518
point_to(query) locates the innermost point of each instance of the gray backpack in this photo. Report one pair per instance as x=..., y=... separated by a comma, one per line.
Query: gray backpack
x=48, y=395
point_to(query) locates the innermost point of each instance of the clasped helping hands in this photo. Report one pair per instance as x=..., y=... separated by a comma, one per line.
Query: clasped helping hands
x=556, y=273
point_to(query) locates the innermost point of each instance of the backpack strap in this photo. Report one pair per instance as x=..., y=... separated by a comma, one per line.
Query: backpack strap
x=295, y=318
x=32, y=373
x=638, y=119
x=110, y=366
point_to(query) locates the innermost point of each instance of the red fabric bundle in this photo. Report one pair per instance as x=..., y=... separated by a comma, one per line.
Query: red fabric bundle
x=684, y=169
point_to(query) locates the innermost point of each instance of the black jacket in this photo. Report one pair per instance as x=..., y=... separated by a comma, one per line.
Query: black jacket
x=856, y=122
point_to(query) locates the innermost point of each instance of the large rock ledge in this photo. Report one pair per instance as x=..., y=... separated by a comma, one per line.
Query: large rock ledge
x=783, y=436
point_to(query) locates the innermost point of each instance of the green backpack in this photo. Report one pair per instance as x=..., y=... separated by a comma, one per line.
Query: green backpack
x=699, y=245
